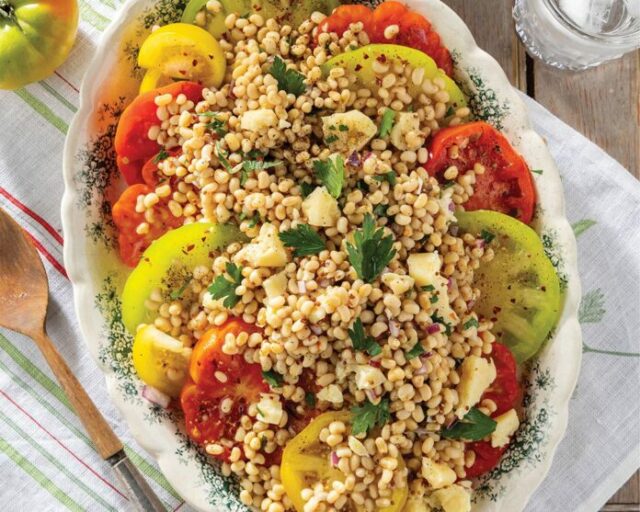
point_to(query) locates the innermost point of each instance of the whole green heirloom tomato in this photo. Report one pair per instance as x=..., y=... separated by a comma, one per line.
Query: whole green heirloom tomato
x=35, y=38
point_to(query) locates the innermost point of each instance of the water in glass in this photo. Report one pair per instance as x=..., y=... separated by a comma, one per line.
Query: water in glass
x=577, y=34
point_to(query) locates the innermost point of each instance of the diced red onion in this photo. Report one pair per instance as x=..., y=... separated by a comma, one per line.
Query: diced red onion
x=433, y=328
x=452, y=207
x=420, y=185
x=479, y=243
x=371, y=395
x=302, y=287
x=422, y=370
x=316, y=329
x=334, y=459
x=354, y=159
x=394, y=328
x=155, y=396
x=471, y=303
x=453, y=229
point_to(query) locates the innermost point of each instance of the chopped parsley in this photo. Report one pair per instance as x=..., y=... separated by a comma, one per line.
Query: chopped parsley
x=162, y=155
x=361, y=341
x=253, y=221
x=439, y=320
x=537, y=171
x=434, y=298
x=472, y=322
x=331, y=139
x=289, y=80
x=331, y=174
x=274, y=379
x=372, y=250
x=362, y=185
x=217, y=125
x=223, y=157
x=415, y=351
x=223, y=288
x=343, y=128
x=428, y=288
x=390, y=177
x=473, y=427
x=306, y=188
x=304, y=240
x=487, y=236
x=176, y=294
x=367, y=416
x=248, y=166
x=380, y=210
x=450, y=111
x=310, y=399
x=386, y=123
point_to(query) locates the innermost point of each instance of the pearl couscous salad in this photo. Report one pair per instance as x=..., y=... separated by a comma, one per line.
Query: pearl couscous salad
x=335, y=281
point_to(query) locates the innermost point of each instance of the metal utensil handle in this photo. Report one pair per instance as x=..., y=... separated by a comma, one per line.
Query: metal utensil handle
x=140, y=494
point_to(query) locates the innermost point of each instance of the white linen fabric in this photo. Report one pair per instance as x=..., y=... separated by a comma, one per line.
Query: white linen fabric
x=47, y=462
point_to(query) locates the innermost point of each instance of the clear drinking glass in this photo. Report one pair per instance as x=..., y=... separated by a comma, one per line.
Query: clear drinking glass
x=577, y=34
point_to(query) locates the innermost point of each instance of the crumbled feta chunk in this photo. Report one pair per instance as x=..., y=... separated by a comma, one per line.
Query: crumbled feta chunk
x=267, y=250
x=424, y=267
x=331, y=393
x=270, y=409
x=368, y=377
x=438, y=475
x=348, y=131
x=321, y=208
x=398, y=283
x=276, y=285
x=507, y=424
x=258, y=120
x=454, y=498
x=405, y=134
x=476, y=375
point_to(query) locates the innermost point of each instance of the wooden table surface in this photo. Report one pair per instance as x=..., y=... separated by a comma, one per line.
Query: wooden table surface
x=601, y=103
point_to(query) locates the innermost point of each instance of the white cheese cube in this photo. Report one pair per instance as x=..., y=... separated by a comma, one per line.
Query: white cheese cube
x=267, y=250
x=276, y=285
x=270, y=409
x=424, y=267
x=416, y=504
x=438, y=475
x=321, y=208
x=398, y=283
x=454, y=498
x=401, y=135
x=368, y=377
x=331, y=394
x=258, y=120
x=446, y=205
x=348, y=131
x=507, y=424
x=476, y=375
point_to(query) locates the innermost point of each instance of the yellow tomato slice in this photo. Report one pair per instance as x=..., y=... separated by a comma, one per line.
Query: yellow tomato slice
x=306, y=460
x=160, y=360
x=153, y=79
x=184, y=52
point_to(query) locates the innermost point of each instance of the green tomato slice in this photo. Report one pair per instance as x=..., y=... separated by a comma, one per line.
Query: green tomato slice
x=360, y=62
x=215, y=22
x=520, y=290
x=167, y=264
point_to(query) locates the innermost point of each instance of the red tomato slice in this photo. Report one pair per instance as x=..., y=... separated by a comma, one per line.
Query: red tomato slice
x=203, y=394
x=150, y=173
x=127, y=219
x=506, y=185
x=505, y=391
x=132, y=143
x=487, y=458
x=415, y=29
x=343, y=16
x=130, y=170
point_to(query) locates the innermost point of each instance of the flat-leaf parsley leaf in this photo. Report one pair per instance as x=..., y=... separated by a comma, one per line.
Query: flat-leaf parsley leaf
x=473, y=427
x=223, y=288
x=372, y=250
x=274, y=379
x=331, y=174
x=368, y=415
x=289, y=80
x=303, y=239
x=361, y=341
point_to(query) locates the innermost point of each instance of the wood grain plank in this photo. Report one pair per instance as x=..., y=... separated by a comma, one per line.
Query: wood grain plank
x=498, y=40
x=602, y=103
x=629, y=493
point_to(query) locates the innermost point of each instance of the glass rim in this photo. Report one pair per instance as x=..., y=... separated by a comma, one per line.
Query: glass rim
x=618, y=39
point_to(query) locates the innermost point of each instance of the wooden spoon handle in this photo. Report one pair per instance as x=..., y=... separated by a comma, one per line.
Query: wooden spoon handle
x=99, y=430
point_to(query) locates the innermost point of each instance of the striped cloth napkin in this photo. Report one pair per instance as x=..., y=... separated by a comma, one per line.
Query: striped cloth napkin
x=47, y=462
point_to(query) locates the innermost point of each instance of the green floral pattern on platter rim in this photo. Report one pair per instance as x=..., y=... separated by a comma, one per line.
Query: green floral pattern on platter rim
x=98, y=276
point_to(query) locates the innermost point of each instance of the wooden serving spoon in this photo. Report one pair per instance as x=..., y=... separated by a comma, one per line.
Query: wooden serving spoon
x=24, y=296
